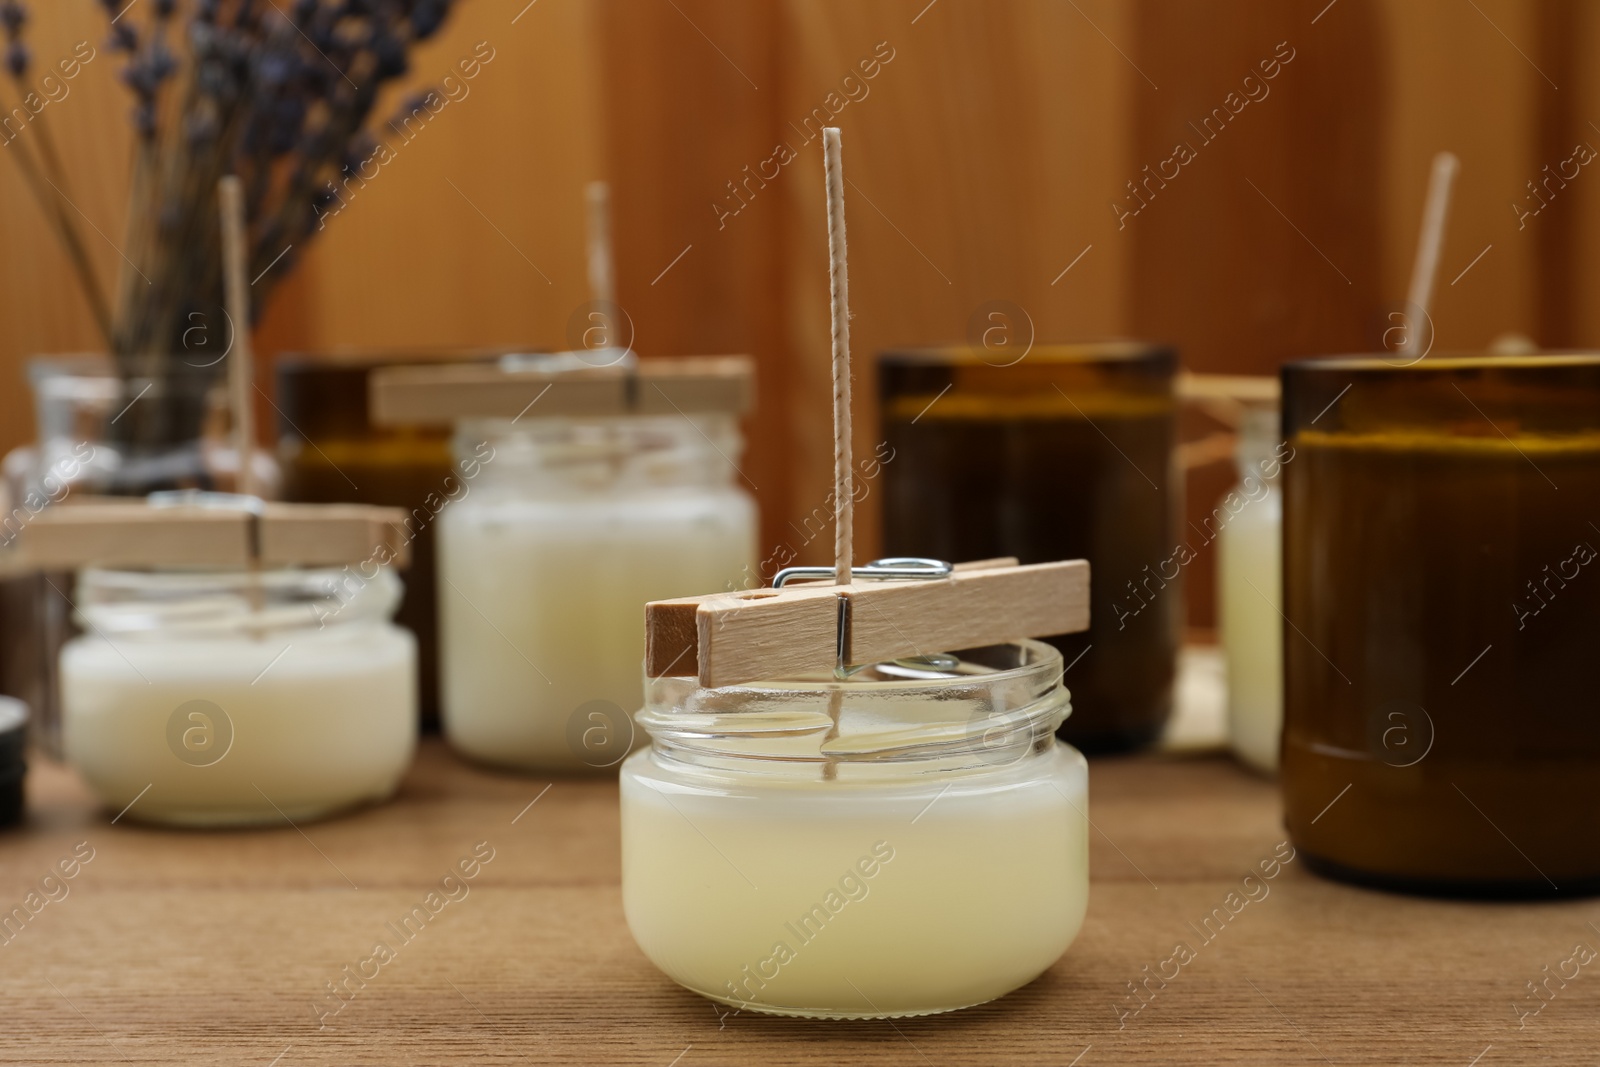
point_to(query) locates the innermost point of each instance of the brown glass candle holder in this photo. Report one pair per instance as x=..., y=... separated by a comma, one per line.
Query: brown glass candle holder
x=1442, y=600
x=1065, y=453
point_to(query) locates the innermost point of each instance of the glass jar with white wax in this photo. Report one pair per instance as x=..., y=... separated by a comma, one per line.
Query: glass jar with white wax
x=239, y=697
x=573, y=523
x=909, y=839
x=1250, y=589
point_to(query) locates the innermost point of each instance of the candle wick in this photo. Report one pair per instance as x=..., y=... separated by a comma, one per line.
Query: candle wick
x=830, y=768
x=839, y=298
x=1425, y=267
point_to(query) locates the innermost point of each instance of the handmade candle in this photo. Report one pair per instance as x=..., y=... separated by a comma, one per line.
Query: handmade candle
x=594, y=488
x=1067, y=453
x=571, y=527
x=1444, y=608
x=1249, y=599
x=233, y=698
x=910, y=840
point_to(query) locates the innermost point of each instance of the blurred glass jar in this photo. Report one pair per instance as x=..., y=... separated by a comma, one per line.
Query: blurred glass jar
x=930, y=795
x=1249, y=590
x=332, y=453
x=570, y=527
x=1067, y=453
x=80, y=408
x=1443, y=606
x=233, y=698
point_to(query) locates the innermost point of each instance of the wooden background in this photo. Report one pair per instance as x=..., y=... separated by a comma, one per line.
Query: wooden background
x=983, y=161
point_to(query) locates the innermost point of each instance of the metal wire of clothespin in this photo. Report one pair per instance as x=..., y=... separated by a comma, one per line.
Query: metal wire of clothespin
x=893, y=568
x=912, y=607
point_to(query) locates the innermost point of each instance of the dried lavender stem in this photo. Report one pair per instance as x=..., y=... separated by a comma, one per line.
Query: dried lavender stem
x=50, y=199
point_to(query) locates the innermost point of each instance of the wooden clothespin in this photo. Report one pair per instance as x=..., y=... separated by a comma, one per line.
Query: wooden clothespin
x=211, y=530
x=551, y=386
x=889, y=609
x=799, y=630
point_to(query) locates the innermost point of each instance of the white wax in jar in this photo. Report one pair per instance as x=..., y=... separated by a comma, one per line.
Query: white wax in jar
x=1249, y=600
x=542, y=601
x=894, y=897
x=319, y=720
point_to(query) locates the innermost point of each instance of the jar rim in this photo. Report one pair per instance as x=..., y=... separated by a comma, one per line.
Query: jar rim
x=1048, y=658
x=209, y=601
x=1111, y=350
x=1445, y=362
x=858, y=728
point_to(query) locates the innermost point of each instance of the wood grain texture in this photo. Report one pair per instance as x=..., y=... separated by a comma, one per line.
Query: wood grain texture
x=753, y=635
x=199, y=948
x=42, y=308
x=127, y=534
x=978, y=160
x=969, y=609
x=745, y=637
x=983, y=161
x=444, y=393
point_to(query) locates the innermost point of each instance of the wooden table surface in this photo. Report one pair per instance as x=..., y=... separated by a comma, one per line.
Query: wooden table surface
x=197, y=947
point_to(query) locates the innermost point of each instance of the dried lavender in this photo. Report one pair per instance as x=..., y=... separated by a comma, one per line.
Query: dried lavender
x=42, y=169
x=278, y=93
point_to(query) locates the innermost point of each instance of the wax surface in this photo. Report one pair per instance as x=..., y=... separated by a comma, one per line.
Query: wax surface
x=542, y=607
x=1250, y=581
x=331, y=723
x=820, y=898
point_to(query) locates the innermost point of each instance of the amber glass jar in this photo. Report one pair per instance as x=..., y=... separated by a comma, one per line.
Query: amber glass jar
x=332, y=453
x=1066, y=453
x=1442, y=688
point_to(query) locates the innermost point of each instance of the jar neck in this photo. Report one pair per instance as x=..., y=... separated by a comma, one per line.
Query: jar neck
x=596, y=455
x=987, y=709
x=234, y=603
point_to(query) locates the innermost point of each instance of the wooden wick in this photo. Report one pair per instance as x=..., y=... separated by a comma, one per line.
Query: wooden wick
x=1425, y=267
x=241, y=367
x=843, y=484
x=839, y=296
x=602, y=277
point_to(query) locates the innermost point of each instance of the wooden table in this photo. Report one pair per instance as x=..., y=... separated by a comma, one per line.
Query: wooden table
x=191, y=947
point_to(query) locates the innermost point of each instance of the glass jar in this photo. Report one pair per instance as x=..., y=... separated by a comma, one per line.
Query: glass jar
x=1066, y=453
x=231, y=698
x=1249, y=589
x=572, y=525
x=909, y=840
x=1443, y=607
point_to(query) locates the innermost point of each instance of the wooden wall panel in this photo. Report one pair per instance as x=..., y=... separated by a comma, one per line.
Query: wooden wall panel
x=42, y=309
x=691, y=92
x=985, y=157
x=1457, y=81
x=1570, y=254
x=473, y=233
x=1267, y=244
x=974, y=164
